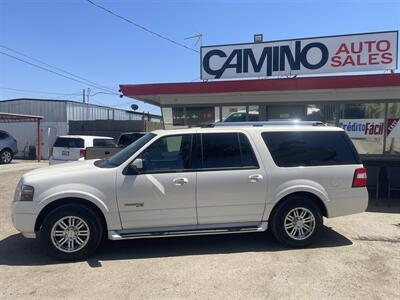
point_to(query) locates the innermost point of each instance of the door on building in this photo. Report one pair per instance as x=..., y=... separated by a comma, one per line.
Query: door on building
x=286, y=112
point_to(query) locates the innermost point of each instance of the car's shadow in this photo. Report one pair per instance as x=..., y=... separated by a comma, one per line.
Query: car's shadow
x=15, y=250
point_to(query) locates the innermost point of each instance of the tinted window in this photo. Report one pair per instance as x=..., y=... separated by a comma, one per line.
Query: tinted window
x=222, y=150
x=291, y=149
x=127, y=139
x=248, y=157
x=103, y=143
x=69, y=142
x=169, y=153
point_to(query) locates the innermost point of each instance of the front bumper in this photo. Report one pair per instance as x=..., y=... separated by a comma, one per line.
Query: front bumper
x=23, y=219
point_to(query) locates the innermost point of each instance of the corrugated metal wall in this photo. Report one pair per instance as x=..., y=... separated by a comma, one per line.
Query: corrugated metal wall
x=26, y=135
x=64, y=111
x=56, y=114
x=52, y=111
x=81, y=111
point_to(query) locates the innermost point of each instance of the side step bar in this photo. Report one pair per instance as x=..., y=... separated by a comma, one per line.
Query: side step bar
x=115, y=235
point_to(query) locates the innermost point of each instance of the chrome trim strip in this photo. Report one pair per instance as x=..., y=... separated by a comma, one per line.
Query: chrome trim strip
x=115, y=235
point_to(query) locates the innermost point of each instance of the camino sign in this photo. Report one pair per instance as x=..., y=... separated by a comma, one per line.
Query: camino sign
x=331, y=54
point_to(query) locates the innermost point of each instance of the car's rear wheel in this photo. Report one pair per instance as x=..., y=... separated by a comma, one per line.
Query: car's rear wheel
x=6, y=156
x=297, y=222
x=71, y=232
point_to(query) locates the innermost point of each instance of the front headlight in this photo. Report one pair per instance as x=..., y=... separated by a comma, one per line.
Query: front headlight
x=26, y=193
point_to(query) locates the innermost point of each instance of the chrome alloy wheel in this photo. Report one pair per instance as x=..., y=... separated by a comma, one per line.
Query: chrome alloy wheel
x=70, y=234
x=299, y=223
x=6, y=157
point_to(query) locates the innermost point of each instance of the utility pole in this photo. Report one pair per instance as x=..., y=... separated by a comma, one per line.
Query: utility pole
x=88, y=95
x=83, y=95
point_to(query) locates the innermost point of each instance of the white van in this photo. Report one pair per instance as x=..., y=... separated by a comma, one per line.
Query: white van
x=228, y=179
x=69, y=148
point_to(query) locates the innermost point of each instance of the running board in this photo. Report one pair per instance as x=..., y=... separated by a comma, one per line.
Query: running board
x=115, y=235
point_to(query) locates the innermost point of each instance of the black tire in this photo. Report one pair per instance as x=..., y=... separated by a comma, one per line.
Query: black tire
x=6, y=156
x=288, y=206
x=92, y=220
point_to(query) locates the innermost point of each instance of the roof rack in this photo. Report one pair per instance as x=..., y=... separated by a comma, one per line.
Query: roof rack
x=265, y=123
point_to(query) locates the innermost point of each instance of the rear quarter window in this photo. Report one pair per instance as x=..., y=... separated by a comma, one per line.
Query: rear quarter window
x=307, y=148
x=69, y=143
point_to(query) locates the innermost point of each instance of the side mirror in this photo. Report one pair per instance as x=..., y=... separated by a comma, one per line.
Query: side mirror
x=138, y=163
x=134, y=168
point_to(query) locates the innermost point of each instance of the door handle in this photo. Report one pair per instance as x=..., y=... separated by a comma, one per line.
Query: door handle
x=180, y=181
x=255, y=178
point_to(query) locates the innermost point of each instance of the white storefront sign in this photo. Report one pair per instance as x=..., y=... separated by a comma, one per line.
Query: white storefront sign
x=332, y=54
x=370, y=128
x=363, y=128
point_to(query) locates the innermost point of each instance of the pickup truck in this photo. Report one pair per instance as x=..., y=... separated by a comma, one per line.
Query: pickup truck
x=124, y=140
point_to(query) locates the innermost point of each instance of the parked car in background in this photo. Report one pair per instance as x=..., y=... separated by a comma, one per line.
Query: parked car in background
x=69, y=148
x=128, y=138
x=243, y=116
x=228, y=179
x=125, y=139
x=8, y=147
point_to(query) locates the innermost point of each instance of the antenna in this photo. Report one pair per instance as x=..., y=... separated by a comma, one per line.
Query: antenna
x=198, y=37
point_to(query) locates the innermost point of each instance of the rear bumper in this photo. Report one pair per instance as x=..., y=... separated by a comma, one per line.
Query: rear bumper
x=352, y=204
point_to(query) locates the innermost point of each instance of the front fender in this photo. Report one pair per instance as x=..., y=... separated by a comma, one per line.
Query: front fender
x=82, y=191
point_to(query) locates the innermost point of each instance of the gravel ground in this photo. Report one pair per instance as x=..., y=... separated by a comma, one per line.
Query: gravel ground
x=357, y=257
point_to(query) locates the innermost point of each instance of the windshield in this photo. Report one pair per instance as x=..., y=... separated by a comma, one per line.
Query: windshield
x=120, y=157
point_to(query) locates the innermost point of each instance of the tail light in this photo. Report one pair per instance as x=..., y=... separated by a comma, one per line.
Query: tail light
x=82, y=152
x=360, y=178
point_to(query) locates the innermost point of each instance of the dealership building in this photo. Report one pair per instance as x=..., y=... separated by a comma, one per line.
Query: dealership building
x=284, y=80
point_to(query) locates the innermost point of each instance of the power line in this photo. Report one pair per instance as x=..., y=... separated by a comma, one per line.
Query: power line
x=142, y=27
x=36, y=92
x=54, y=67
x=54, y=72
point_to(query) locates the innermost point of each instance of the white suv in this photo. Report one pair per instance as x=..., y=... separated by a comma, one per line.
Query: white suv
x=196, y=181
x=69, y=148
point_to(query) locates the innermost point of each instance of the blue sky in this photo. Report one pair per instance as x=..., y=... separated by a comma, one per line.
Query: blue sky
x=77, y=37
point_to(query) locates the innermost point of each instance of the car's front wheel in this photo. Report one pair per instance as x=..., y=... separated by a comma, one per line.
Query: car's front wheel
x=71, y=232
x=6, y=156
x=297, y=222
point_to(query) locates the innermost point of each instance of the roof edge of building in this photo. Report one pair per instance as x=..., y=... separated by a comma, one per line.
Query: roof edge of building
x=257, y=85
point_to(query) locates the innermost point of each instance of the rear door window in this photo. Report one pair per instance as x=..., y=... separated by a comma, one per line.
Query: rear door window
x=103, y=143
x=227, y=151
x=63, y=142
x=306, y=148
